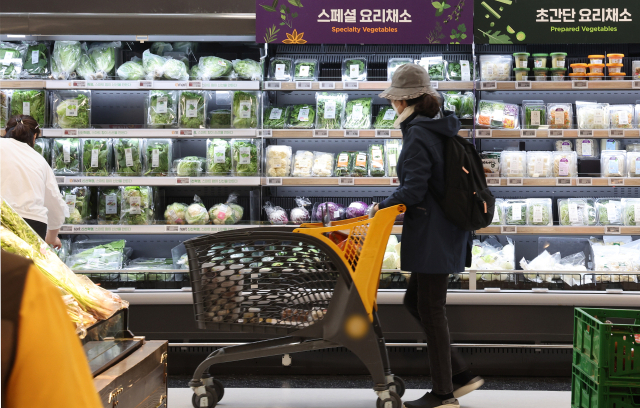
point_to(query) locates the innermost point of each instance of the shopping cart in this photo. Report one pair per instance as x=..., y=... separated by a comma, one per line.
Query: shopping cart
x=314, y=286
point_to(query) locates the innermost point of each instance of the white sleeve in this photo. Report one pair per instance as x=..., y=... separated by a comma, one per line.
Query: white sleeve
x=57, y=208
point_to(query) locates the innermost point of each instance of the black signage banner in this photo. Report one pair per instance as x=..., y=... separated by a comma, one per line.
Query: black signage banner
x=556, y=21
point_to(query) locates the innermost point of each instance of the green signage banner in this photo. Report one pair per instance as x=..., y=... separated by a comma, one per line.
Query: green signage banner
x=556, y=21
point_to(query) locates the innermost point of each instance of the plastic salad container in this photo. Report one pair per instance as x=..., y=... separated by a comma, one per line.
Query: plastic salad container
x=614, y=68
x=515, y=212
x=577, y=76
x=565, y=164
x=595, y=76
x=521, y=59
x=576, y=212
x=540, y=73
x=558, y=74
x=395, y=63
x=305, y=70
x=534, y=114
x=596, y=59
x=540, y=60
x=579, y=68
x=513, y=163
x=617, y=76
x=461, y=70
x=539, y=164
x=592, y=115
x=613, y=163
x=633, y=164
x=587, y=149
x=635, y=69
x=354, y=69
x=558, y=59
x=631, y=211
x=560, y=115
x=495, y=67
x=621, y=117
x=609, y=211
x=280, y=69
x=609, y=144
x=615, y=58
x=596, y=68
x=539, y=211
x=498, y=115
x=521, y=74
x=563, y=146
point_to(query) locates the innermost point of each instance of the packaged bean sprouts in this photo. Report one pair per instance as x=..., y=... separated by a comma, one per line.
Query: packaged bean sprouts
x=302, y=164
x=539, y=164
x=592, y=115
x=609, y=211
x=633, y=164
x=609, y=144
x=631, y=211
x=565, y=164
x=587, y=148
x=495, y=67
x=577, y=212
x=560, y=115
x=539, y=211
x=278, y=161
x=392, y=149
x=621, y=116
x=322, y=164
x=564, y=145
x=515, y=212
x=613, y=162
x=512, y=163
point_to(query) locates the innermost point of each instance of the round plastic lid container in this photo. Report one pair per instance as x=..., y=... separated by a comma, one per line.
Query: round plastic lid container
x=558, y=54
x=540, y=55
x=617, y=76
x=596, y=68
x=615, y=58
x=596, y=59
x=596, y=76
x=558, y=71
x=595, y=56
x=521, y=54
x=614, y=68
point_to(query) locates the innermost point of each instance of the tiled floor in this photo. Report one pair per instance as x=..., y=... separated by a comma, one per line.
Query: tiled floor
x=362, y=398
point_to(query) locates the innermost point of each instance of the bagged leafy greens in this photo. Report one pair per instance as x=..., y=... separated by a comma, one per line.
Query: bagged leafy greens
x=158, y=156
x=344, y=164
x=78, y=200
x=131, y=71
x=162, y=109
x=274, y=117
x=96, y=157
x=175, y=69
x=29, y=102
x=515, y=212
x=220, y=119
x=462, y=104
x=330, y=109
x=136, y=205
x=71, y=109
x=43, y=147
x=100, y=255
x=218, y=157
x=109, y=203
x=301, y=117
x=11, y=60
x=244, y=112
x=228, y=213
x=248, y=69
x=245, y=157
x=385, y=118
x=176, y=214
x=305, y=70
x=213, y=68
x=577, y=212
x=153, y=65
x=103, y=56
x=358, y=114
x=197, y=213
x=280, y=69
x=36, y=61
x=190, y=166
x=4, y=108
x=65, y=156
x=361, y=165
x=458, y=71
x=128, y=157
x=192, y=109
x=86, y=68
x=376, y=161
x=354, y=69
x=66, y=57
x=159, y=47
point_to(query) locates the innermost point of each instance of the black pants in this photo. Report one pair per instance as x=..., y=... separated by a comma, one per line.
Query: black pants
x=39, y=227
x=426, y=298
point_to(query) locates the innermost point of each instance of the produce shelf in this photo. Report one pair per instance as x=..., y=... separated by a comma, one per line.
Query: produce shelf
x=157, y=181
x=562, y=182
x=330, y=181
x=310, y=134
x=558, y=230
x=355, y=85
x=555, y=133
x=22, y=84
x=557, y=85
x=149, y=229
x=133, y=133
x=144, y=84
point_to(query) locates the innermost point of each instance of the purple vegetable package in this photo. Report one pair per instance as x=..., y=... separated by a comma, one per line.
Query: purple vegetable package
x=336, y=211
x=356, y=209
x=300, y=214
x=276, y=215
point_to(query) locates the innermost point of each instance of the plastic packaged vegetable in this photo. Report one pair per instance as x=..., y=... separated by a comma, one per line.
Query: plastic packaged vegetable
x=301, y=116
x=459, y=71
x=302, y=164
x=491, y=255
x=393, y=149
x=539, y=164
x=609, y=144
x=36, y=61
x=128, y=157
x=633, y=164
x=176, y=214
x=344, y=164
x=248, y=69
x=394, y=63
x=78, y=200
x=358, y=114
x=539, y=211
x=274, y=117
x=515, y=212
x=498, y=214
x=534, y=114
x=354, y=69
x=376, y=162
x=300, y=214
x=512, y=163
x=136, y=205
x=275, y=214
x=4, y=108
x=560, y=115
x=31, y=103
x=130, y=71
x=609, y=211
x=158, y=157
x=86, y=68
x=330, y=109
x=587, y=148
x=109, y=203
x=577, y=212
x=278, y=161
x=153, y=65
x=43, y=147
x=197, y=213
x=621, y=116
x=385, y=118
x=563, y=145
x=71, y=109
x=360, y=165
x=190, y=166
x=65, y=156
x=192, y=109
x=613, y=162
x=219, y=119
x=228, y=213
x=631, y=211
x=498, y=115
x=437, y=69
x=245, y=157
x=335, y=211
x=175, y=69
x=306, y=70
x=66, y=57
x=96, y=157
x=103, y=56
x=280, y=69
x=565, y=164
x=213, y=68
x=592, y=115
x=244, y=109
x=218, y=157
x=322, y=164
x=495, y=67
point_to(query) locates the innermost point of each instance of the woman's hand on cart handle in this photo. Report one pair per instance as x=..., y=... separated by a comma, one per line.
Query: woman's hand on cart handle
x=374, y=209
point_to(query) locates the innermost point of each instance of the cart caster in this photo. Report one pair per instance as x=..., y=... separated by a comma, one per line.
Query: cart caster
x=208, y=400
x=398, y=386
x=217, y=385
x=393, y=402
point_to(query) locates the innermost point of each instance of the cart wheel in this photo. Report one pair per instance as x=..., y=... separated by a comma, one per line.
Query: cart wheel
x=393, y=402
x=209, y=400
x=399, y=385
x=217, y=385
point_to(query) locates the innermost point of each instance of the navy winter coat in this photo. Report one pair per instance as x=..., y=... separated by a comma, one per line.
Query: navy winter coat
x=430, y=243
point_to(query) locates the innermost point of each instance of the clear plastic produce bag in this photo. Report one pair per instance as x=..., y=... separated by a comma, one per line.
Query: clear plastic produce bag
x=162, y=109
x=228, y=213
x=278, y=161
x=71, y=109
x=218, y=157
x=275, y=214
x=300, y=214
x=66, y=156
x=197, y=213
x=137, y=205
x=176, y=214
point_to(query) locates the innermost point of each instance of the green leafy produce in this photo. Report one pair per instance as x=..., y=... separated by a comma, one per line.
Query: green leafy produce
x=454, y=70
x=376, y=160
x=86, y=68
x=630, y=213
x=192, y=110
x=65, y=163
x=4, y=109
x=539, y=206
x=162, y=109
x=109, y=203
x=130, y=71
x=358, y=114
x=72, y=113
x=245, y=158
x=105, y=256
x=103, y=56
x=153, y=65
x=497, y=217
x=66, y=55
x=245, y=110
x=541, y=116
x=194, y=73
x=453, y=102
x=393, y=148
x=218, y=157
x=228, y=213
x=344, y=164
x=37, y=60
x=385, y=118
x=128, y=157
x=136, y=206
x=190, y=166
x=43, y=147
x=175, y=69
x=30, y=103
x=301, y=117
x=306, y=73
x=248, y=69
x=584, y=207
x=197, y=213
x=213, y=68
x=361, y=164
x=468, y=105
x=285, y=75
x=436, y=70
x=330, y=118
x=349, y=75
x=394, y=64
x=220, y=119
x=176, y=214
x=10, y=60
x=609, y=211
x=159, y=47
x=274, y=118
x=79, y=201
x=512, y=205
x=96, y=156
x=157, y=157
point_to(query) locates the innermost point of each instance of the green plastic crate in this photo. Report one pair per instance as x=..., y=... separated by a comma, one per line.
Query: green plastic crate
x=586, y=393
x=607, y=352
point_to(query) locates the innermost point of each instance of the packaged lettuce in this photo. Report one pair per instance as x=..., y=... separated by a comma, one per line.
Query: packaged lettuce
x=358, y=114
x=103, y=56
x=4, y=108
x=79, y=201
x=220, y=119
x=228, y=213
x=306, y=70
x=218, y=157
x=158, y=156
x=96, y=157
x=192, y=109
x=385, y=118
x=11, y=58
x=301, y=116
x=244, y=112
x=330, y=109
x=29, y=102
x=344, y=164
x=190, y=166
x=130, y=71
x=197, y=213
x=128, y=157
x=71, y=109
x=376, y=160
x=245, y=157
x=213, y=68
x=361, y=164
x=175, y=69
x=354, y=69
x=36, y=62
x=136, y=205
x=280, y=69
x=153, y=65
x=515, y=212
x=109, y=203
x=609, y=211
x=539, y=211
x=65, y=59
x=162, y=109
x=65, y=156
x=274, y=117
x=248, y=69
x=43, y=146
x=86, y=68
x=631, y=210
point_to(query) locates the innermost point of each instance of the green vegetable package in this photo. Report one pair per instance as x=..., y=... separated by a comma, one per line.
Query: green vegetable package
x=376, y=160
x=109, y=203
x=305, y=70
x=162, y=109
x=301, y=117
x=354, y=69
x=393, y=149
x=437, y=70
x=515, y=212
x=631, y=211
x=78, y=200
x=344, y=164
x=192, y=109
x=153, y=65
x=609, y=211
x=245, y=157
x=330, y=109
x=220, y=119
x=36, y=60
x=96, y=157
x=577, y=212
x=31, y=103
x=539, y=212
x=197, y=213
x=361, y=164
x=158, y=156
x=4, y=108
x=386, y=118
x=248, y=69
x=136, y=205
x=11, y=60
x=455, y=71
x=103, y=56
x=358, y=114
x=71, y=109
x=190, y=166
x=280, y=69
x=65, y=156
x=128, y=157
x=212, y=68
x=175, y=69
x=65, y=59
x=394, y=63
x=43, y=147
x=131, y=71
x=218, y=157
x=274, y=117
x=244, y=113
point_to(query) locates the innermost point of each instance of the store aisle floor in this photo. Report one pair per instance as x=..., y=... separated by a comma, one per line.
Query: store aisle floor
x=360, y=398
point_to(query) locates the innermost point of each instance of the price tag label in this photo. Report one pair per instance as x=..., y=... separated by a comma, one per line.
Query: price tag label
x=635, y=84
x=488, y=85
x=172, y=228
x=66, y=228
x=303, y=85
x=351, y=133
x=483, y=133
x=527, y=133
x=612, y=230
x=346, y=181
x=493, y=181
x=186, y=132
x=523, y=84
x=194, y=84
x=556, y=133
x=60, y=180
x=320, y=133
x=508, y=229
x=515, y=181
x=579, y=84
x=274, y=181
x=79, y=84
x=272, y=85
x=434, y=84
x=265, y=133
x=182, y=180
x=146, y=84
x=617, y=132
x=586, y=133
x=70, y=132
x=618, y=181
x=327, y=85
x=585, y=181
x=394, y=181
x=350, y=85
x=563, y=181
x=383, y=133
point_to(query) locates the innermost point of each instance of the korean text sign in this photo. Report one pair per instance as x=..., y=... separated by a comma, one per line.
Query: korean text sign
x=364, y=22
x=556, y=21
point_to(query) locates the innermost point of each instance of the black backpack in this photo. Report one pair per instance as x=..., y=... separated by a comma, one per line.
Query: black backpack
x=467, y=201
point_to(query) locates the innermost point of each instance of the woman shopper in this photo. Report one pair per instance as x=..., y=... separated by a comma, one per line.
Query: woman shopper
x=27, y=182
x=432, y=247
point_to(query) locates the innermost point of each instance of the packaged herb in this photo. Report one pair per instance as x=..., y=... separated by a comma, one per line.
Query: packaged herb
x=393, y=149
x=65, y=156
x=162, y=109
x=274, y=117
x=306, y=70
x=109, y=203
x=361, y=164
x=31, y=103
x=244, y=109
x=43, y=147
x=344, y=164
x=79, y=201
x=96, y=157
x=631, y=212
x=437, y=70
x=301, y=117
x=218, y=157
x=515, y=212
x=354, y=69
x=219, y=119
x=534, y=114
x=128, y=157
x=358, y=114
x=376, y=160
x=280, y=69
x=158, y=156
x=461, y=70
x=245, y=157
x=192, y=109
x=330, y=109
x=386, y=118
x=4, y=108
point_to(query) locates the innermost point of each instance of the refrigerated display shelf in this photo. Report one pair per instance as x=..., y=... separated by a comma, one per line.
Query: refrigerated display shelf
x=558, y=230
x=134, y=133
x=555, y=133
x=557, y=85
x=144, y=84
x=357, y=85
x=362, y=133
x=150, y=229
x=562, y=182
x=158, y=181
x=330, y=181
x=22, y=84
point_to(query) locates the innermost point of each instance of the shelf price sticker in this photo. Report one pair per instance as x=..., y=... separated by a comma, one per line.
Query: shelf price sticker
x=563, y=181
x=265, y=133
x=515, y=181
x=172, y=228
x=508, y=229
x=483, y=133
x=493, y=181
x=585, y=181
x=434, y=84
x=527, y=133
x=327, y=85
x=586, y=132
x=346, y=181
x=618, y=181
x=556, y=133
x=579, y=84
x=383, y=133
x=351, y=133
x=612, y=230
x=60, y=180
x=394, y=181
x=272, y=85
x=66, y=228
x=635, y=84
x=320, y=133
x=488, y=85
x=274, y=181
x=616, y=133
x=145, y=84
x=194, y=84
x=523, y=84
x=350, y=85
x=78, y=84
x=304, y=85
x=182, y=180
x=70, y=132
x=186, y=132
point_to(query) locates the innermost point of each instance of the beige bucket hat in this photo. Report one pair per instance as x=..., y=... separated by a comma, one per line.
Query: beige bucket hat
x=409, y=81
